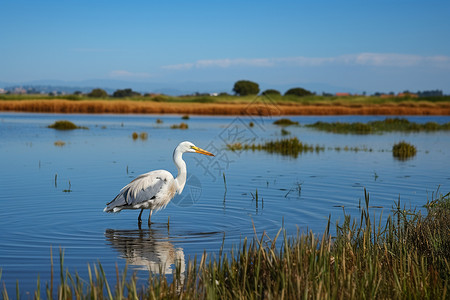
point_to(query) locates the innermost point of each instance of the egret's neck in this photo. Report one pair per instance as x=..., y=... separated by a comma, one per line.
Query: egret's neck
x=182, y=172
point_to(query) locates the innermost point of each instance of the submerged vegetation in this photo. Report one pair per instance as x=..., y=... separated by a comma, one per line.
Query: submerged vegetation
x=65, y=125
x=407, y=258
x=387, y=125
x=403, y=150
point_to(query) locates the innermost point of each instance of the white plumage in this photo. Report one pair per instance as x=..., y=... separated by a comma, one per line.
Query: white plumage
x=155, y=189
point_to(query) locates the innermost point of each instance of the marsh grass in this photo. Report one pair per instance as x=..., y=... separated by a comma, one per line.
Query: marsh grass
x=403, y=150
x=228, y=105
x=180, y=126
x=406, y=258
x=285, y=122
x=143, y=136
x=387, y=125
x=65, y=125
x=59, y=143
x=288, y=147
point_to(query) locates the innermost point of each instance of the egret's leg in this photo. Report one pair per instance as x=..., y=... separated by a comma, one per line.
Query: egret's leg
x=150, y=217
x=139, y=218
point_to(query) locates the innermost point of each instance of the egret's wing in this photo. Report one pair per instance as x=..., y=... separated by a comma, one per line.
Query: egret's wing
x=142, y=189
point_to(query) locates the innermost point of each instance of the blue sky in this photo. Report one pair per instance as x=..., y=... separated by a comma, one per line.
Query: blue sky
x=361, y=45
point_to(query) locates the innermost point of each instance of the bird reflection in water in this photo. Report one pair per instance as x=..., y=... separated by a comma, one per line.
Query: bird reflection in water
x=148, y=249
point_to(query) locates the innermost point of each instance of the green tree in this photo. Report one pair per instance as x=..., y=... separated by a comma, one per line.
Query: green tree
x=300, y=92
x=125, y=93
x=245, y=87
x=98, y=93
x=271, y=92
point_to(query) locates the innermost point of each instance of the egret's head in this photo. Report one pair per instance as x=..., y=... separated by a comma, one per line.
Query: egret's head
x=190, y=147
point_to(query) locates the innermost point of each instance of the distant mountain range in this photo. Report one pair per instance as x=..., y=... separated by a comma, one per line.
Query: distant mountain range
x=174, y=88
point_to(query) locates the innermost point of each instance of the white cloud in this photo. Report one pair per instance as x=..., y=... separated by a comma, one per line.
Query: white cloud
x=361, y=59
x=127, y=74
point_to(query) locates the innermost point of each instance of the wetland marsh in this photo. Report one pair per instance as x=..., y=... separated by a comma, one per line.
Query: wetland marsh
x=53, y=196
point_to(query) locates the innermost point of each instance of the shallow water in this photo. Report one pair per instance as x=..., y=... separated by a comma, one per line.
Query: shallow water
x=52, y=197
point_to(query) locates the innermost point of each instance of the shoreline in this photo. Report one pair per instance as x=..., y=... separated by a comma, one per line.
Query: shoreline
x=254, y=108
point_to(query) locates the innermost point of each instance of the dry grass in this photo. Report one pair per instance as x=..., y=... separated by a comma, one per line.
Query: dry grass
x=192, y=108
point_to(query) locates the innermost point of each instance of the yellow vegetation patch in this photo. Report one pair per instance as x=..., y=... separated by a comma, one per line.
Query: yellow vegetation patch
x=152, y=107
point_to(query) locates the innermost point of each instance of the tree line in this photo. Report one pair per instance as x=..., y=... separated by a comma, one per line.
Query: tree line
x=241, y=88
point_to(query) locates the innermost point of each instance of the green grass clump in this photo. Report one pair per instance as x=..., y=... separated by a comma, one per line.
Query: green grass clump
x=65, y=125
x=180, y=126
x=235, y=147
x=143, y=136
x=387, y=125
x=403, y=150
x=285, y=122
x=288, y=147
x=185, y=117
x=338, y=127
x=406, y=258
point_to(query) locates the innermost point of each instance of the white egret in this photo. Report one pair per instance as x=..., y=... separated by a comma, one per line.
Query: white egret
x=155, y=189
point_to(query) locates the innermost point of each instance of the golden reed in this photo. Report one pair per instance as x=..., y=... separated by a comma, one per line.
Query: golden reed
x=137, y=107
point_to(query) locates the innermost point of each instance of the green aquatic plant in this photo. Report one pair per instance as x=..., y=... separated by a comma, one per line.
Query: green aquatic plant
x=285, y=122
x=289, y=147
x=338, y=127
x=59, y=143
x=185, y=117
x=387, y=125
x=180, y=126
x=403, y=150
x=285, y=132
x=143, y=136
x=65, y=125
x=235, y=146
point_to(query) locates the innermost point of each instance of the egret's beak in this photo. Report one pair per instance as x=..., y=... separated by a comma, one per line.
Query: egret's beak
x=201, y=151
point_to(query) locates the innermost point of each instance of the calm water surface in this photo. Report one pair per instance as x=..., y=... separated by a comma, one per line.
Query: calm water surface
x=52, y=197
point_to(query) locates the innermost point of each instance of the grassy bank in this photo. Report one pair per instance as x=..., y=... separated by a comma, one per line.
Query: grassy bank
x=387, y=125
x=229, y=105
x=406, y=258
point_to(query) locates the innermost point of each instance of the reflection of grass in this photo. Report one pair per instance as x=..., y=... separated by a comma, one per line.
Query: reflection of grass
x=285, y=132
x=389, y=124
x=403, y=150
x=407, y=258
x=180, y=126
x=65, y=125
